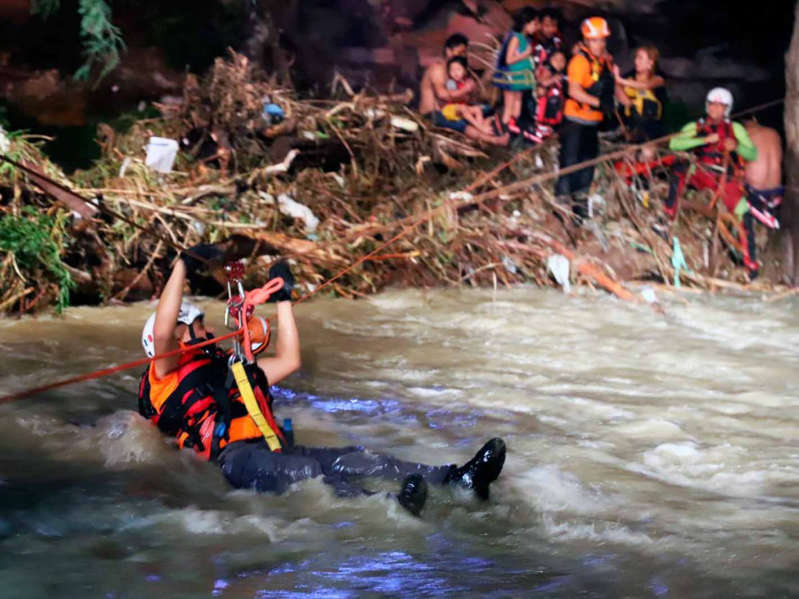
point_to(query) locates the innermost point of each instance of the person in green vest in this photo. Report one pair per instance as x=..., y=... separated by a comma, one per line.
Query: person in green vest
x=717, y=142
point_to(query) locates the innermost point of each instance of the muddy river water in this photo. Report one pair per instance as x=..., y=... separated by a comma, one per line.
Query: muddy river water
x=649, y=455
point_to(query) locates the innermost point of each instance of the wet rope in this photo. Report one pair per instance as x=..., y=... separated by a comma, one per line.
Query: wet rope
x=114, y=369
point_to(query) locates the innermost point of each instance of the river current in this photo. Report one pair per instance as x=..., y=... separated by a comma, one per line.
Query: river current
x=649, y=455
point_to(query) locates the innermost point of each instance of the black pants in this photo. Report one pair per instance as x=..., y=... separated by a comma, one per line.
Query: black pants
x=578, y=143
x=252, y=465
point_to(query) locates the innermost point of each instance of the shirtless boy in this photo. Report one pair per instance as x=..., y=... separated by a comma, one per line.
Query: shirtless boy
x=434, y=93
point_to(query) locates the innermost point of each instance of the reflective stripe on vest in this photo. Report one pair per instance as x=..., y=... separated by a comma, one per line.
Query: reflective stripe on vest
x=248, y=396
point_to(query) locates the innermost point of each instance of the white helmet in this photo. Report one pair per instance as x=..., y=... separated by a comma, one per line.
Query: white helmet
x=720, y=95
x=188, y=314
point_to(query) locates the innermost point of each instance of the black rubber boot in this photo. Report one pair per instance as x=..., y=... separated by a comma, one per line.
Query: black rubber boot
x=413, y=493
x=483, y=469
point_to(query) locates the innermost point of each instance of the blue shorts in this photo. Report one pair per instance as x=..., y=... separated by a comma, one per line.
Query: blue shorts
x=439, y=120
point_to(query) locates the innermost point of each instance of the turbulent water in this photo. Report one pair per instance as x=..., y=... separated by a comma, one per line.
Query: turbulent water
x=649, y=455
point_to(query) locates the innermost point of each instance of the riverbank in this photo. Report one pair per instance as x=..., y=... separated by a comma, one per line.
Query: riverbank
x=326, y=183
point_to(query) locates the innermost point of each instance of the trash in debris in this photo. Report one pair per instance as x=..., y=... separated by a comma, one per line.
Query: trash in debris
x=678, y=261
x=649, y=295
x=559, y=266
x=5, y=144
x=161, y=153
x=272, y=113
x=509, y=265
x=124, y=167
x=460, y=196
x=294, y=209
x=400, y=122
x=596, y=205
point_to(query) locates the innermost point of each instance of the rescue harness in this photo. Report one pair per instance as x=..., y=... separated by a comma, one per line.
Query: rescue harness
x=603, y=85
x=220, y=397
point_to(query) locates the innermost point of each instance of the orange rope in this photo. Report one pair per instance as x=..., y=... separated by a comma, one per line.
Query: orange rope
x=362, y=259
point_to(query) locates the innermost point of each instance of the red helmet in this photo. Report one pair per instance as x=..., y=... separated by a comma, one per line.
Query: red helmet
x=595, y=28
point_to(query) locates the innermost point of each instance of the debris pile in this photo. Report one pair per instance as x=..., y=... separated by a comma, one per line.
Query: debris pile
x=326, y=182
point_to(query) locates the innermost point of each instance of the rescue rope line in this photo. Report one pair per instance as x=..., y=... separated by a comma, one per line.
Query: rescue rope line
x=114, y=369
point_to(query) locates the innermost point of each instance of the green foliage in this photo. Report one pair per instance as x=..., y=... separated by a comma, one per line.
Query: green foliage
x=102, y=40
x=45, y=8
x=34, y=239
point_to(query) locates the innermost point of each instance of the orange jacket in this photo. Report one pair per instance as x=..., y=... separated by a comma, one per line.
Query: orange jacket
x=589, y=73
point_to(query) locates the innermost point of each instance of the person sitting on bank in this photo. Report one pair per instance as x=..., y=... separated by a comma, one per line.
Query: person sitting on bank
x=515, y=71
x=646, y=90
x=458, y=72
x=717, y=142
x=434, y=94
x=763, y=176
x=592, y=94
x=197, y=397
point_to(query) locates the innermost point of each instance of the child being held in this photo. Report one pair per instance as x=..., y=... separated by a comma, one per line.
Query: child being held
x=457, y=71
x=551, y=94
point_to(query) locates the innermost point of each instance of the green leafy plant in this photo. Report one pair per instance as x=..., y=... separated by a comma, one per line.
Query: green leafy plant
x=102, y=40
x=34, y=239
x=45, y=8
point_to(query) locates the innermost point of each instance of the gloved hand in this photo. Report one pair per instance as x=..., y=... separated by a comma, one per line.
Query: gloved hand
x=281, y=269
x=193, y=257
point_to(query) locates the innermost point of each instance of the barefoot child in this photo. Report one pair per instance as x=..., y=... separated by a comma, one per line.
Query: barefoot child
x=457, y=71
x=515, y=70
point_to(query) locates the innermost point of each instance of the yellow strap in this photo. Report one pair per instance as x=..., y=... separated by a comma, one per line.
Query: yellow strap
x=245, y=389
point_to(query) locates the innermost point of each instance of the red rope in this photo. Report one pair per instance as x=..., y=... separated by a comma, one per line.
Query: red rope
x=105, y=372
x=360, y=260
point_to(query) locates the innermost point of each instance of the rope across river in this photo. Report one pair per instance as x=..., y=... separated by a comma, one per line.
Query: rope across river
x=406, y=225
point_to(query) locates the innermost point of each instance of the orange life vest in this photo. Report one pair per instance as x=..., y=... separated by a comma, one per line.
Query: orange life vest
x=205, y=411
x=598, y=81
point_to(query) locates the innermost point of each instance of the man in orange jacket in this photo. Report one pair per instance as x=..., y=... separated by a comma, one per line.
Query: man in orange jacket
x=592, y=94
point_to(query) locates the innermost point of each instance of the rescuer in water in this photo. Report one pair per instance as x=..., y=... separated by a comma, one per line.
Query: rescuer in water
x=197, y=397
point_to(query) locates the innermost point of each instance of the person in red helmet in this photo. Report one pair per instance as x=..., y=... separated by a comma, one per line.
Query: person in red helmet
x=711, y=139
x=197, y=397
x=592, y=94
